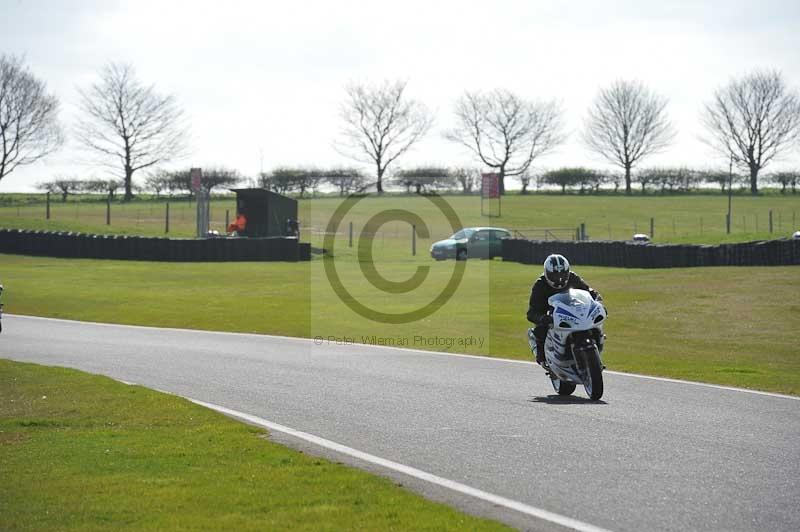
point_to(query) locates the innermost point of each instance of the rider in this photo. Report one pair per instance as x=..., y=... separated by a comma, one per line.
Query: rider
x=556, y=278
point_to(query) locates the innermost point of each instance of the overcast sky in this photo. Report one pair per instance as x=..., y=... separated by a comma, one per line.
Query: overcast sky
x=263, y=81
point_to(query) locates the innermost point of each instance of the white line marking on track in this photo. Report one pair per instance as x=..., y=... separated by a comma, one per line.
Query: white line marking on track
x=409, y=350
x=410, y=471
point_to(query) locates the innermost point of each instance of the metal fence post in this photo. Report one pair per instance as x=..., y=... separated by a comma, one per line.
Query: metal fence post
x=652, y=228
x=166, y=220
x=108, y=210
x=350, y=244
x=48, y=206
x=770, y=221
x=413, y=240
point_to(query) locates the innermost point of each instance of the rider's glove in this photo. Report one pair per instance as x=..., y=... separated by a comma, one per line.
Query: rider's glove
x=547, y=319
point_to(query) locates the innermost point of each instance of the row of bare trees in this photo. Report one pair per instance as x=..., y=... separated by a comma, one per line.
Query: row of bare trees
x=64, y=186
x=659, y=179
x=751, y=120
x=422, y=179
x=126, y=125
x=130, y=127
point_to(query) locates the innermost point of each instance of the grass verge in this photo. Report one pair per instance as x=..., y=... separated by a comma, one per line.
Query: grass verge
x=733, y=326
x=83, y=452
x=692, y=218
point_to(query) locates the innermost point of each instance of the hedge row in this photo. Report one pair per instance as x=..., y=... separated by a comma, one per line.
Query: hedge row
x=88, y=246
x=637, y=255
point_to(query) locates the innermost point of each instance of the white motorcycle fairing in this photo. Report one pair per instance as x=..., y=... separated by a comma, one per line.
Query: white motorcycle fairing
x=574, y=342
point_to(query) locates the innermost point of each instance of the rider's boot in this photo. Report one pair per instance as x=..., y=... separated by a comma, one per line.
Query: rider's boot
x=540, y=353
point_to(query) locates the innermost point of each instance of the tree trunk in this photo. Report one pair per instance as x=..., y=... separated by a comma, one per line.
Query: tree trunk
x=753, y=180
x=628, y=181
x=128, y=183
x=379, y=184
x=502, y=183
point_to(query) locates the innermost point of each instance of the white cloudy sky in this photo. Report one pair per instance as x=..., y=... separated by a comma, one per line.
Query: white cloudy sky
x=264, y=80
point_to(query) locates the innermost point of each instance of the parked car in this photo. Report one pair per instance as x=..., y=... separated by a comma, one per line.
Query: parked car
x=641, y=238
x=796, y=235
x=471, y=242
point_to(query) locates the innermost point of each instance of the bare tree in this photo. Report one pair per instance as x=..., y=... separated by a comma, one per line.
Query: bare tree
x=467, y=177
x=29, y=128
x=670, y=179
x=786, y=178
x=219, y=176
x=61, y=185
x=129, y=125
x=752, y=120
x=525, y=181
x=347, y=180
x=504, y=131
x=569, y=177
x=104, y=186
x=286, y=179
x=157, y=183
x=626, y=123
x=213, y=176
x=381, y=124
x=425, y=179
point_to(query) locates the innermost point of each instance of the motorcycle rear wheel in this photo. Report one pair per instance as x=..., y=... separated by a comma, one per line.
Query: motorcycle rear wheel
x=561, y=387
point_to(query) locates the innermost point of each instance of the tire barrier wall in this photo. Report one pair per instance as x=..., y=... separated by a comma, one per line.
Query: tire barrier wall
x=783, y=252
x=88, y=246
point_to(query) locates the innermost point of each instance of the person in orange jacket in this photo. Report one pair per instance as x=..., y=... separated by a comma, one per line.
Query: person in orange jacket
x=239, y=225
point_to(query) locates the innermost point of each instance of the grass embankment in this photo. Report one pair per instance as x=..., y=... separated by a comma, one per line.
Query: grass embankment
x=734, y=326
x=678, y=219
x=82, y=452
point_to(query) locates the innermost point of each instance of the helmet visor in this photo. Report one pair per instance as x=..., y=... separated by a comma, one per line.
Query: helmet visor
x=558, y=279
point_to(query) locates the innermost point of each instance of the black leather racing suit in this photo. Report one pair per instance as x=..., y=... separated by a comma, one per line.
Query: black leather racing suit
x=541, y=292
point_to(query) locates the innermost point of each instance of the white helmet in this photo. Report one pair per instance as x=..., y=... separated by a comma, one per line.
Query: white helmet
x=556, y=271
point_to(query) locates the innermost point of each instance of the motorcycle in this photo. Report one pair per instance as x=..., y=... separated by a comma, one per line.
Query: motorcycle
x=574, y=343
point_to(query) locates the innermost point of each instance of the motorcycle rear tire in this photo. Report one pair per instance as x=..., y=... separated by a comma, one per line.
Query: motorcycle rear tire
x=594, y=384
x=561, y=387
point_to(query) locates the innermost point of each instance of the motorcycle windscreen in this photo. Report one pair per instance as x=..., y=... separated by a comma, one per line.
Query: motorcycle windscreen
x=579, y=300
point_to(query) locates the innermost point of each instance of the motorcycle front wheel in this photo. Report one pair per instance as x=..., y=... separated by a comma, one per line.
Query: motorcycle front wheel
x=594, y=376
x=561, y=387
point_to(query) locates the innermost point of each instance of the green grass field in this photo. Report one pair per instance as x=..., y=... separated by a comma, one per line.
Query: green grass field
x=718, y=325
x=108, y=451
x=83, y=452
x=679, y=219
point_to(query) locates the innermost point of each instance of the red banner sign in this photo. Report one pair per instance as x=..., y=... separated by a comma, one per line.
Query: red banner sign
x=490, y=185
x=196, y=175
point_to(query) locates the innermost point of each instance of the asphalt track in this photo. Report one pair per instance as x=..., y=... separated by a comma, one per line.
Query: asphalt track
x=482, y=434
